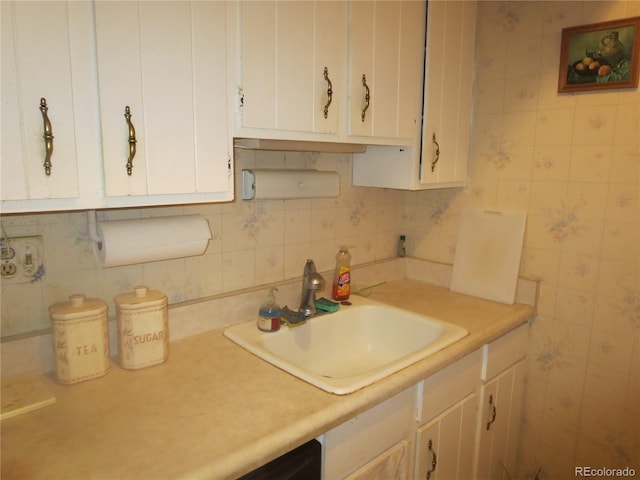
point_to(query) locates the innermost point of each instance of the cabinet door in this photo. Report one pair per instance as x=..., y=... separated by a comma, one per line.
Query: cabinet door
x=446, y=445
x=391, y=464
x=166, y=62
x=36, y=63
x=448, y=86
x=285, y=48
x=501, y=407
x=438, y=157
x=385, y=68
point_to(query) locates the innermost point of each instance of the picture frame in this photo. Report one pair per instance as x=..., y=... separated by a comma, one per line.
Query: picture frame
x=600, y=56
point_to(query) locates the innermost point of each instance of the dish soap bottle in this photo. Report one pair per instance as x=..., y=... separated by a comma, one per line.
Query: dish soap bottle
x=269, y=314
x=342, y=276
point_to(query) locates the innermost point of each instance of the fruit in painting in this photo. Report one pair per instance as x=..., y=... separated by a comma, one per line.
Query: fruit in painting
x=604, y=70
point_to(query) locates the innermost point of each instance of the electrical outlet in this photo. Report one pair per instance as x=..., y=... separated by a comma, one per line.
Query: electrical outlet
x=22, y=259
x=7, y=253
x=8, y=269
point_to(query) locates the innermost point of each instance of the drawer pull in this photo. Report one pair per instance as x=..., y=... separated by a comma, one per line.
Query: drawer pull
x=132, y=140
x=493, y=412
x=437, y=153
x=329, y=92
x=367, y=97
x=48, y=137
x=434, y=460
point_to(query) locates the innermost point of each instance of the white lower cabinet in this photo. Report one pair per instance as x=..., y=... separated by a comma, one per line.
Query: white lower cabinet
x=447, y=421
x=501, y=408
x=501, y=395
x=446, y=445
x=462, y=422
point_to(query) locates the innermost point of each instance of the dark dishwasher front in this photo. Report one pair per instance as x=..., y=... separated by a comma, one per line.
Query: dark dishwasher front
x=302, y=463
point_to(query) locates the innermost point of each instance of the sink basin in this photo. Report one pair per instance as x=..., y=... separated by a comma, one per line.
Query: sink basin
x=344, y=351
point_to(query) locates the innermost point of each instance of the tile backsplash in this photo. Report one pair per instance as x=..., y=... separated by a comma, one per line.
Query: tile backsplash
x=253, y=243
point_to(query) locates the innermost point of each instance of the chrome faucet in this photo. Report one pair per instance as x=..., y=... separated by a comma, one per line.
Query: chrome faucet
x=312, y=281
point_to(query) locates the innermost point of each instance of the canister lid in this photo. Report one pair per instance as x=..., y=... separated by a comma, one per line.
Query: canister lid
x=141, y=296
x=78, y=306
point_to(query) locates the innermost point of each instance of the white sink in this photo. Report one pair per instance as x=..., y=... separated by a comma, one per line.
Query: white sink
x=344, y=351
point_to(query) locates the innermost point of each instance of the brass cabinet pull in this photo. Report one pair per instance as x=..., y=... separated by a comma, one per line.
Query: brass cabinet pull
x=367, y=97
x=48, y=137
x=132, y=139
x=493, y=412
x=434, y=460
x=329, y=92
x=437, y=153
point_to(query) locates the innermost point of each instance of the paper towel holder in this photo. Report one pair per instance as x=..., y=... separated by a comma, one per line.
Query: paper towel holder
x=282, y=184
x=141, y=240
x=92, y=221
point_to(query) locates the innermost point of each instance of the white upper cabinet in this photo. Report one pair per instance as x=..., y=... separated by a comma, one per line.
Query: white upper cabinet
x=284, y=50
x=448, y=91
x=439, y=156
x=37, y=101
x=386, y=52
x=164, y=63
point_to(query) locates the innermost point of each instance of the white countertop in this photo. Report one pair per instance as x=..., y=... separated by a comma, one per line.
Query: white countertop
x=214, y=410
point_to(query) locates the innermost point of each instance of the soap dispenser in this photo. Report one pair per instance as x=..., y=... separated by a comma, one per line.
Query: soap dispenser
x=269, y=313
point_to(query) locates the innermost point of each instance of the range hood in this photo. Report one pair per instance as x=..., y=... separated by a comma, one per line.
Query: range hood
x=297, y=146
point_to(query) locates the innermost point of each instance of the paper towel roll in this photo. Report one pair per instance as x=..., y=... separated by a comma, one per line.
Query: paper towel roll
x=125, y=242
x=289, y=183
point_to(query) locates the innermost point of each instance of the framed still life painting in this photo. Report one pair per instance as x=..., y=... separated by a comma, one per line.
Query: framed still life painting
x=600, y=56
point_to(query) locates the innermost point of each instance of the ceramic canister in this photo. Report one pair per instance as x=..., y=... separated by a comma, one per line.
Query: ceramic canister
x=81, y=338
x=143, y=328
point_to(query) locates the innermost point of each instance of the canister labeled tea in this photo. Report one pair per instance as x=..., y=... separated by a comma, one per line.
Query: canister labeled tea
x=81, y=338
x=143, y=328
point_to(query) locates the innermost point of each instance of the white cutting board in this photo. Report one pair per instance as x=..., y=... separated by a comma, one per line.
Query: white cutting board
x=488, y=253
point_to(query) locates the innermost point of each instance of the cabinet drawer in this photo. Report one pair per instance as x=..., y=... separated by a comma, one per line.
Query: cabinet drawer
x=449, y=385
x=504, y=352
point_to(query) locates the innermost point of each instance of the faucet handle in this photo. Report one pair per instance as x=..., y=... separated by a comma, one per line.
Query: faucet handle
x=312, y=279
x=310, y=267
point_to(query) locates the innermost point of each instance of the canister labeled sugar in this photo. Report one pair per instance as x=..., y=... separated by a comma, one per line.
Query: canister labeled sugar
x=81, y=338
x=143, y=328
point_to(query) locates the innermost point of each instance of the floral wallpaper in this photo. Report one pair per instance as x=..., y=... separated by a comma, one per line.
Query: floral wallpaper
x=573, y=163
